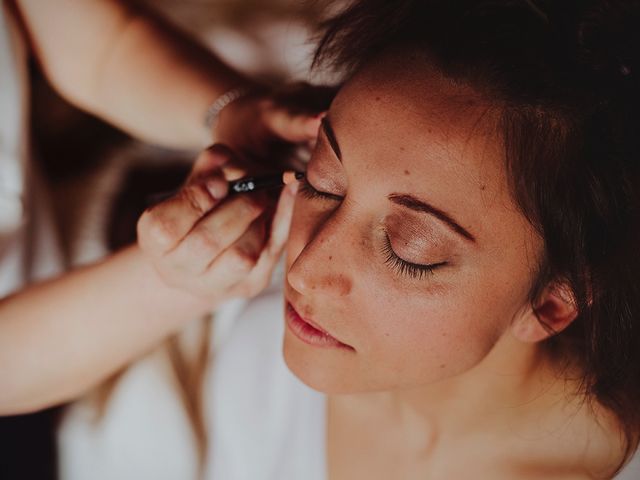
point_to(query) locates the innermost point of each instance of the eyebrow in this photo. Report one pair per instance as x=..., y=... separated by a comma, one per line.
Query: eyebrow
x=331, y=137
x=417, y=205
x=405, y=200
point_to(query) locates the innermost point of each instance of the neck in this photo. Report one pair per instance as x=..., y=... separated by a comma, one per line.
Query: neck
x=513, y=383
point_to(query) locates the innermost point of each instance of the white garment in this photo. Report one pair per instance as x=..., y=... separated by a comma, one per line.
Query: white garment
x=264, y=423
x=29, y=248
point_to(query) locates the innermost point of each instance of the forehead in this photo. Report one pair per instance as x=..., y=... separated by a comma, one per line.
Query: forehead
x=399, y=119
x=409, y=102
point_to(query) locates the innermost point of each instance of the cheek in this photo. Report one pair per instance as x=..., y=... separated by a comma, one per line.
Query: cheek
x=420, y=340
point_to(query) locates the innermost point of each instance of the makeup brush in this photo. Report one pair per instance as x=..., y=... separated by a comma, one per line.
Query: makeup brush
x=243, y=185
x=254, y=184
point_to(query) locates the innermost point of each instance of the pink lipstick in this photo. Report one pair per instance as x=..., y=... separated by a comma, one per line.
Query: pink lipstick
x=309, y=332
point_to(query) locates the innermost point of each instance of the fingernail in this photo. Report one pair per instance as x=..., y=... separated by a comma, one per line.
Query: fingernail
x=217, y=188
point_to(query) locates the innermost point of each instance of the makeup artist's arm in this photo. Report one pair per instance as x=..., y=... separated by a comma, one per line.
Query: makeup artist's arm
x=137, y=71
x=60, y=338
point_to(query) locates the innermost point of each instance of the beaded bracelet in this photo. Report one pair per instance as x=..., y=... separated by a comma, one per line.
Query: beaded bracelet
x=214, y=110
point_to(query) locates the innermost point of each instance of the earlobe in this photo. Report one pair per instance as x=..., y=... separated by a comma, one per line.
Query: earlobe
x=554, y=311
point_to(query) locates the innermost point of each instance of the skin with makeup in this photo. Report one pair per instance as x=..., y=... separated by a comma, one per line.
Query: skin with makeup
x=408, y=272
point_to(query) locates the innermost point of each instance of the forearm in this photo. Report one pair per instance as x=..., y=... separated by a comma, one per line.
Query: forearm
x=60, y=338
x=128, y=67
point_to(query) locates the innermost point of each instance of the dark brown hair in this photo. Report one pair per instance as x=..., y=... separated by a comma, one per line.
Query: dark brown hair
x=565, y=77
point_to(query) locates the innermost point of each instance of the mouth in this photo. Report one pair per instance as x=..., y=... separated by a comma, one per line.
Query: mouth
x=309, y=332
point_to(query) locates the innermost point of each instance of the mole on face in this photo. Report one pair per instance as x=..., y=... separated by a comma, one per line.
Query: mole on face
x=330, y=257
x=406, y=172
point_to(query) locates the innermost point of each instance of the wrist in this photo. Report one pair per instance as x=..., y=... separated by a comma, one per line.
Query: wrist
x=228, y=105
x=219, y=104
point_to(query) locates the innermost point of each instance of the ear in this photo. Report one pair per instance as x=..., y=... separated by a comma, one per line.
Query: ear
x=554, y=311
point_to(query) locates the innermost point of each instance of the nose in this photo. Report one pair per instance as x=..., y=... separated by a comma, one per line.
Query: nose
x=324, y=266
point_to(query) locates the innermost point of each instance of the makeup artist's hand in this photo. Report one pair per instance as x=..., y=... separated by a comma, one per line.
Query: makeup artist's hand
x=266, y=127
x=216, y=247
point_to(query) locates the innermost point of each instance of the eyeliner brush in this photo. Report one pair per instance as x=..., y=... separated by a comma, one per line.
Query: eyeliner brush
x=254, y=184
x=242, y=185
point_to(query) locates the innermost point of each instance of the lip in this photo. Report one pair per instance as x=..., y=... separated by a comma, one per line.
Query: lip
x=309, y=332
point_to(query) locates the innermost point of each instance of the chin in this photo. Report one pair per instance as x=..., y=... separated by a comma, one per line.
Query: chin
x=323, y=370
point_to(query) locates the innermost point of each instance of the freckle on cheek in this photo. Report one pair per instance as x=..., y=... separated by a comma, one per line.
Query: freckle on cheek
x=406, y=172
x=442, y=365
x=330, y=257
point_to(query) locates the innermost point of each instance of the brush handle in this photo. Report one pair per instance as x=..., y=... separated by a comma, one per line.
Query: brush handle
x=242, y=185
x=252, y=184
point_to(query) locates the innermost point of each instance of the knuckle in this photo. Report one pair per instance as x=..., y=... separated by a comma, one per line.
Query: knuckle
x=205, y=242
x=154, y=231
x=243, y=261
x=198, y=198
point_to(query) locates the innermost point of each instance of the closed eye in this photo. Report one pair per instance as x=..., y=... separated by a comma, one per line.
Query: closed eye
x=309, y=191
x=404, y=267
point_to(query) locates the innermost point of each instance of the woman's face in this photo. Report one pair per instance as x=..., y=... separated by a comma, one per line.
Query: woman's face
x=406, y=247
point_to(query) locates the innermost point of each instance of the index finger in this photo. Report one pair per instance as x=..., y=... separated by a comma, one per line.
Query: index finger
x=163, y=226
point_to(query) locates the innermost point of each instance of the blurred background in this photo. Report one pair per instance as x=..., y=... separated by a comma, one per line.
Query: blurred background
x=101, y=178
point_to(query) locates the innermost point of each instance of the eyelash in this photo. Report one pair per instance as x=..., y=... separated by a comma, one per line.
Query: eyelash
x=307, y=191
x=402, y=267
